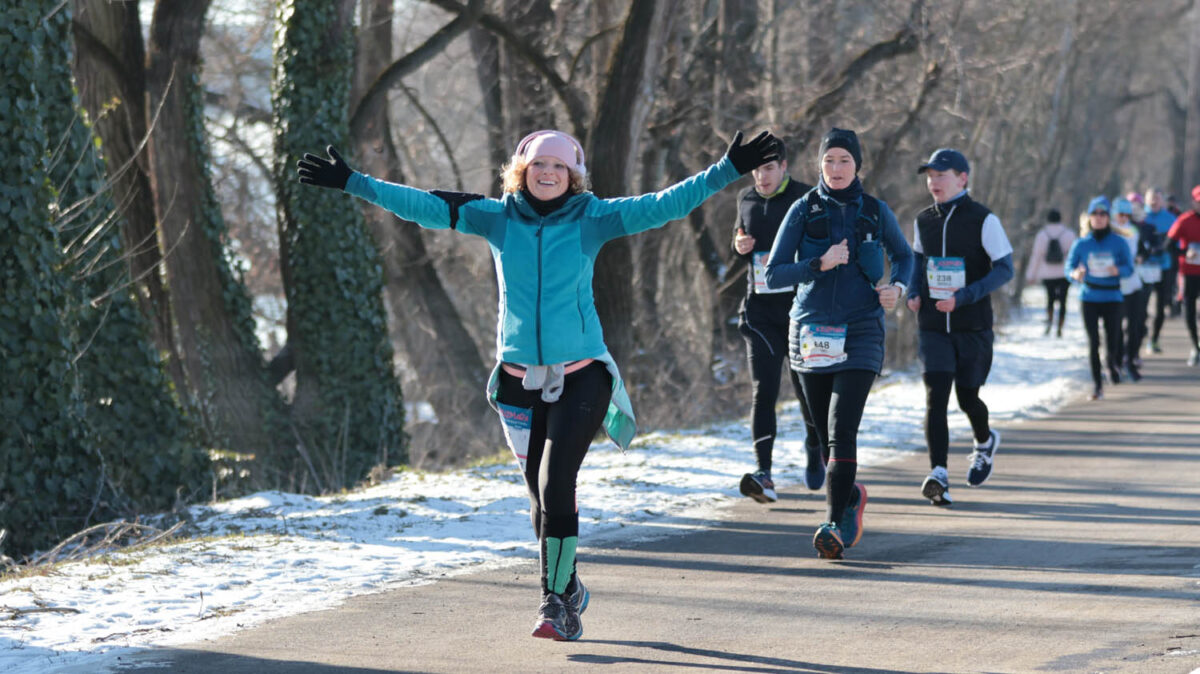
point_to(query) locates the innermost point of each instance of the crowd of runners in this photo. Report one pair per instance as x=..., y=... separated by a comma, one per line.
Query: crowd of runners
x=815, y=301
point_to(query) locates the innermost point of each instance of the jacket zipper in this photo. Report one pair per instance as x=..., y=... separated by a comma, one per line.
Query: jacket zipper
x=538, y=308
x=944, y=224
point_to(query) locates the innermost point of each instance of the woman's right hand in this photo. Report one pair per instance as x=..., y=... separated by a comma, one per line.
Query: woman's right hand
x=333, y=172
x=838, y=254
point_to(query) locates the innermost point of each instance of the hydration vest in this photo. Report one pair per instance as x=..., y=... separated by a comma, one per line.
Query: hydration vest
x=867, y=231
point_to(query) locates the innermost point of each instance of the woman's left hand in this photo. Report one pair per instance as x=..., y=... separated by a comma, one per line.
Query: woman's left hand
x=761, y=149
x=889, y=295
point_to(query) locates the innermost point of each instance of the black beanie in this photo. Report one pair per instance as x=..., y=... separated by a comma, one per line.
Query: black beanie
x=845, y=139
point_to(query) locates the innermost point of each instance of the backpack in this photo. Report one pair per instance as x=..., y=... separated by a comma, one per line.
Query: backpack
x=870, y=251
x=1054, y=252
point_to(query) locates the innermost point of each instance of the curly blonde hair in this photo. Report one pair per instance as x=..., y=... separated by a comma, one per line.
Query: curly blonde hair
x=512, y=177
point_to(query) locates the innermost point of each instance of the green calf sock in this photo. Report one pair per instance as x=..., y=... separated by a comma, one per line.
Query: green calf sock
x=559, y=561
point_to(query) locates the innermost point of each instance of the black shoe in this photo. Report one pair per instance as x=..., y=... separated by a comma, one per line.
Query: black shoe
x=557, y=620
x=1134, y=374
x=1114, y=375
x=758, y=486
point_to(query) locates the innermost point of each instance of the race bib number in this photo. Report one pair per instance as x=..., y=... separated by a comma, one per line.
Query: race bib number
x=944, y=276
x=758, y=263
x=1100, y=265
x=822, y=345
x=517, y=422
x=1149, y=272
x=1193, y=252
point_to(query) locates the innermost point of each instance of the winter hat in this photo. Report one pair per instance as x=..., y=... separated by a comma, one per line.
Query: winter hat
x=1136, y=198
x=548, y=143
x=1053, y=215
x=1196, y=193
x=1122, y=205
x=1099, y=204
x=845, y=139
x=946, y=159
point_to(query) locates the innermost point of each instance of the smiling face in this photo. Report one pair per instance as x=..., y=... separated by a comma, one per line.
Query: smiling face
x=945, y=185
x=768, y=177
x=547, y=177
x=837, y=168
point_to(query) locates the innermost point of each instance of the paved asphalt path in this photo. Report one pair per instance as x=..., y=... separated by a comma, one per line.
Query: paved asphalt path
x=1081, y=554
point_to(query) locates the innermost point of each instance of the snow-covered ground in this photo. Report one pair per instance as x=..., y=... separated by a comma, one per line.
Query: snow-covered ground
x=274, y=554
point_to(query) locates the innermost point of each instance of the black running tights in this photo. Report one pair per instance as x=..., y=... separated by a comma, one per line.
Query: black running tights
x=836, y=401
x=1110, y=313
x=1056, y=293
x=937, y=399
x=767, y=351
x=1191, y=292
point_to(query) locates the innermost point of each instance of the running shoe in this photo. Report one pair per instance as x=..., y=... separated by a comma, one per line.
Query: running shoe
x=828, y=541
x=580, y=597
x=982, y=459
x=1097, y=394
x=851, y=524
x=814, y=472
x=1135, y=375
x=1114, y=375
x=759, y=486
x=1154, y=347
x=1194, y=359
x=936, y=487
x=557, y=620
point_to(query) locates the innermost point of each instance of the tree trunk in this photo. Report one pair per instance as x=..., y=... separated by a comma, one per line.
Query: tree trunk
x=211, y=311
x=1191, y=144
x=110, y=66
x=620, y=118
x=445, y=367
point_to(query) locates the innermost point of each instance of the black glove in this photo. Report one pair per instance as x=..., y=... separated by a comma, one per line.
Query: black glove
x=321, y=172
x=762, y=149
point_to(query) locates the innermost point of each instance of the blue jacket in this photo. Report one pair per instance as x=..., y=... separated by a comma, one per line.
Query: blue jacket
x=544, y=264
x=1095, y=288
x=844, y=294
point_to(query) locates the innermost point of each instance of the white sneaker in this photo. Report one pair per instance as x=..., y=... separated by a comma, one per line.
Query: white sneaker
x=936, y=487
x=1194, y=359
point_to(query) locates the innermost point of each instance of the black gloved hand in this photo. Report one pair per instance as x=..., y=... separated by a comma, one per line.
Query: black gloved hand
x=761, y=149
x=314, y=170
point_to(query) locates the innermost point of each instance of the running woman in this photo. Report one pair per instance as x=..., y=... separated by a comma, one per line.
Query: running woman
x=555, y=383
x=831, y=246
x=1132, y=288
x=1098, y=261
x=1164, y=290
x=763, y=323
x=1186, y=235
x=962, y=256
x=1047, y=264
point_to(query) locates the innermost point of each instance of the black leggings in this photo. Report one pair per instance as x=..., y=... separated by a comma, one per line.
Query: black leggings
x=836, y=401
x=1056, y=292
x=937, y=428
x=1110, y=312
x=767, y=350
x=1163, y=290
x=1135, y=322
x=1191, y=292
x=559, y=437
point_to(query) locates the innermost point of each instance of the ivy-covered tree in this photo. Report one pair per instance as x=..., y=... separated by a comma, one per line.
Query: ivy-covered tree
x=235, y=403
x=348, y=406
x=46, y=475
x=147, y=455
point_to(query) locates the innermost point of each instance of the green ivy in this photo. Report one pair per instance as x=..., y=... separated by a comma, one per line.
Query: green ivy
x=147, y=453
x=334, y=278
x=47, y=475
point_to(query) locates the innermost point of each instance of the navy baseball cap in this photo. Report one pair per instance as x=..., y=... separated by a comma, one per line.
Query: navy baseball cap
x=946, y=159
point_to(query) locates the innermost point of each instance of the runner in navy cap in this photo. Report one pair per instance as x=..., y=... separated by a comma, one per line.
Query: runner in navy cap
x=946, y=159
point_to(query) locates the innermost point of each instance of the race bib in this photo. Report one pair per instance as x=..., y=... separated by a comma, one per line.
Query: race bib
x=1149, y=272
x=1099, y=265
x=758, y=262
x=517, y=422
x=944, y=276
x=822, y=345
x=1193, y=252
